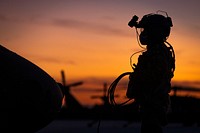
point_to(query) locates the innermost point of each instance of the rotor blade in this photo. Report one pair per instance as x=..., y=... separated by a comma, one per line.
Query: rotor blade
x=75, y=84
x=95, y=97
x=176, y=88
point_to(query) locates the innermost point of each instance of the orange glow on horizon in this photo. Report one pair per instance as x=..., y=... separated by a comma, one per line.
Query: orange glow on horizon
x=93, y=43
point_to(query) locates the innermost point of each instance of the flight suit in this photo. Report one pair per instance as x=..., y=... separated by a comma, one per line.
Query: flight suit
x=149, y=85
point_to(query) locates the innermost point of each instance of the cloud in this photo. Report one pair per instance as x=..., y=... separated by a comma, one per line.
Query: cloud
x=196, y=29
x=97, y=28
x=29, y=19
x=52, y=60
x=57, y=61
x=4, y=18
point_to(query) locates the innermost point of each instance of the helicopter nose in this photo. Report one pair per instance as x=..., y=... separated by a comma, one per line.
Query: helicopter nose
x=30, y=98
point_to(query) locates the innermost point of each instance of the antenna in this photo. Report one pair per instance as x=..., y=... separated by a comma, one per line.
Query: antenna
x=63, y=77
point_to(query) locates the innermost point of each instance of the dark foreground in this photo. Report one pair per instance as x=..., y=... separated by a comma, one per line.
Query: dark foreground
x=108, y=126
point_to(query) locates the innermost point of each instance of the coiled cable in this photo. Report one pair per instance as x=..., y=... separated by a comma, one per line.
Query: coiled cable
x=112, y=88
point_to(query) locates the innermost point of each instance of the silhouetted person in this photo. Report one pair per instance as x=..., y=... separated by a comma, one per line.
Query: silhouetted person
x=150, y=84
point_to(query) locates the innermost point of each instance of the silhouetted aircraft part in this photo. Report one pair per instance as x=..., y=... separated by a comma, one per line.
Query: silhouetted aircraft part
x=104, y=98
x=74, y=84
x=95, y=97
x=186, y=89
x=71, y=104
x=85, y=90
x=29, y=97
x=189, y=89
x=64, y=81
x=63, y=77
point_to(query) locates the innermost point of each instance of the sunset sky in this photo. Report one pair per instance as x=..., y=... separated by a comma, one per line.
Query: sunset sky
x=90, y=39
